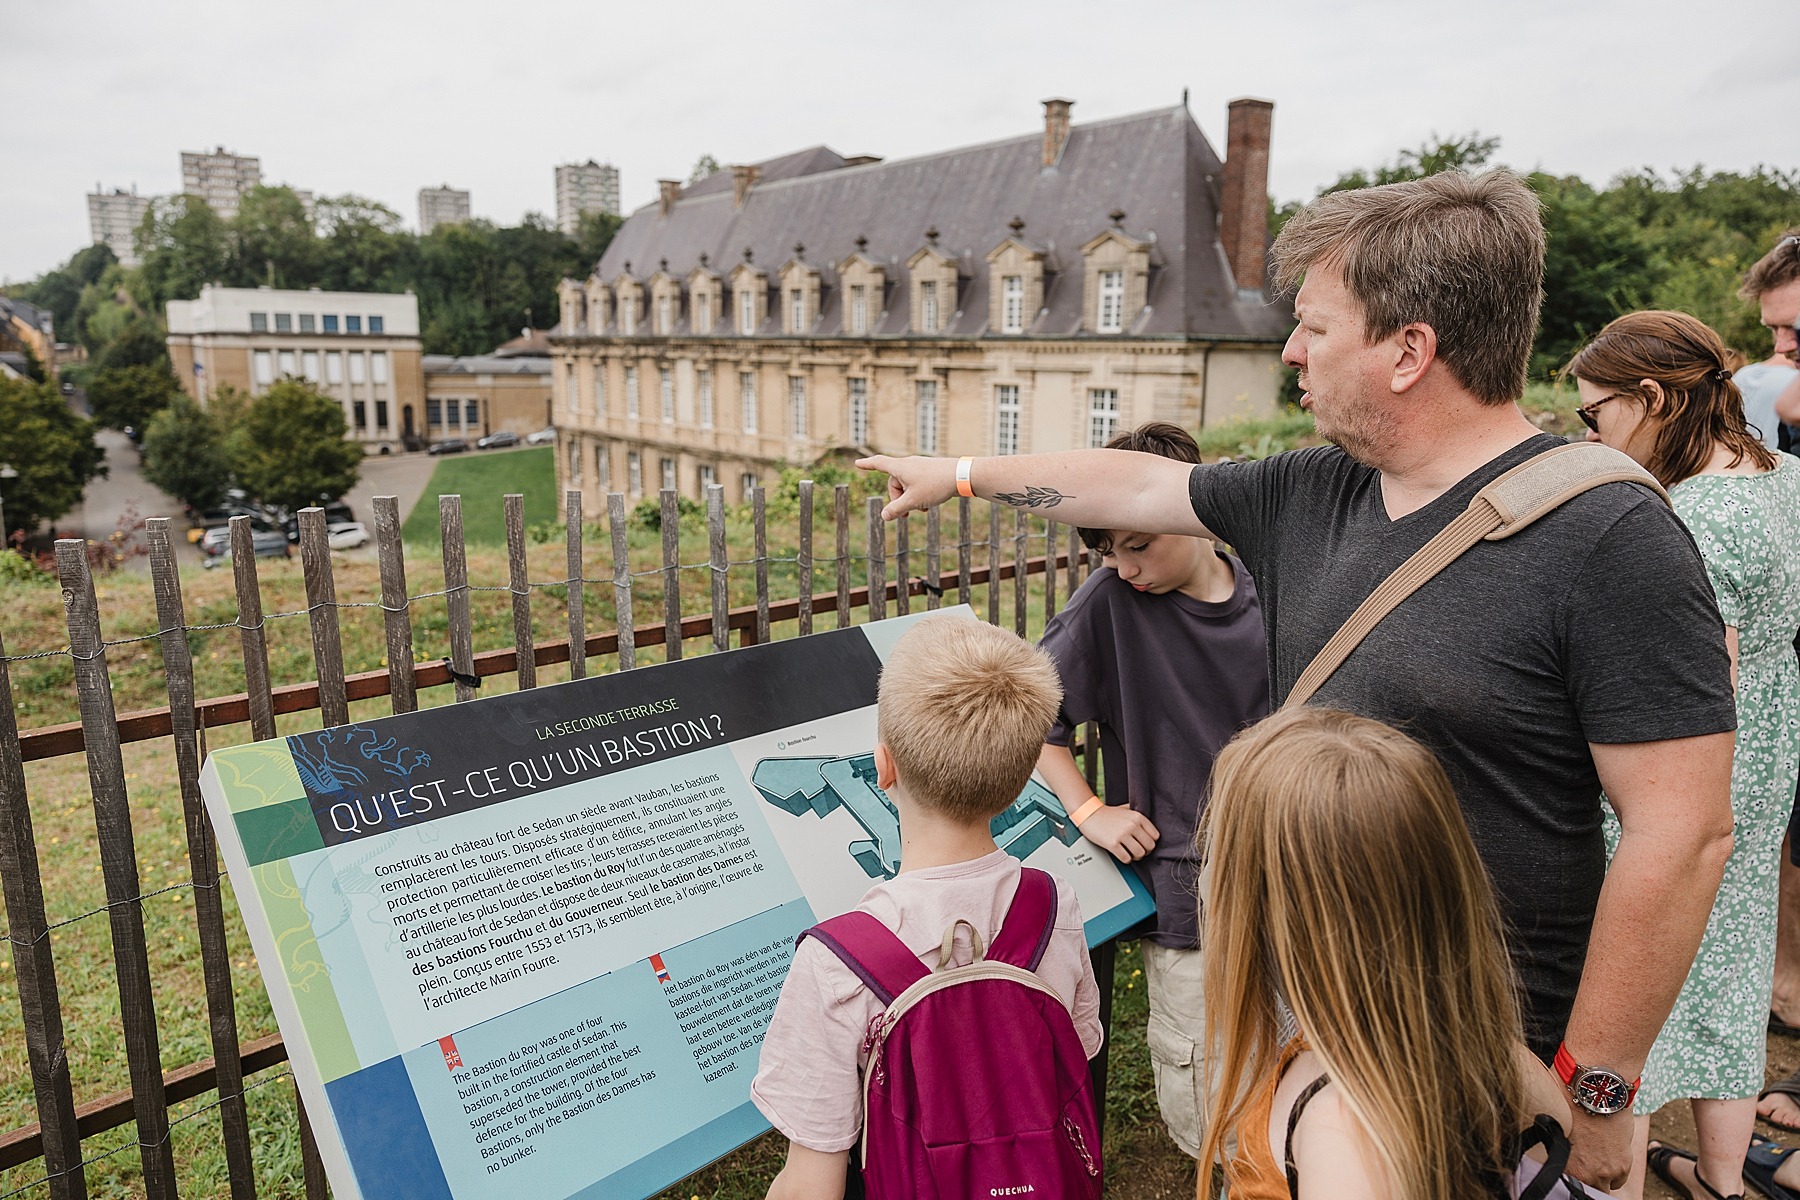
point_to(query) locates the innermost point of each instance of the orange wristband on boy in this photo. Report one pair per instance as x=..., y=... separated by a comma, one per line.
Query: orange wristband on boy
x=1093, y=805
x=965, y=486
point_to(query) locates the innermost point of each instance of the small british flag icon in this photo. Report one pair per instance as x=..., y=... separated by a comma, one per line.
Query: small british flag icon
x=452, y=1059
x=662, y=972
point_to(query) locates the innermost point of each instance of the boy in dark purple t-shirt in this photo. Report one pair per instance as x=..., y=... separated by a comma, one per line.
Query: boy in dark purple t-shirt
x=1165, y=649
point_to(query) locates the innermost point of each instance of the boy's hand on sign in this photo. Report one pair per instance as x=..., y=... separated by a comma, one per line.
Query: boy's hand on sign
x=914, y=484
x=1127, y=834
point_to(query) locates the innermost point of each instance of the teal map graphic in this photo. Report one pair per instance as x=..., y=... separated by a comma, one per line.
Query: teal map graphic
x=822, y=785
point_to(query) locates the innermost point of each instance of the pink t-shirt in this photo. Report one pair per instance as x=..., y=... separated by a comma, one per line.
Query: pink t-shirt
x=809, y=1082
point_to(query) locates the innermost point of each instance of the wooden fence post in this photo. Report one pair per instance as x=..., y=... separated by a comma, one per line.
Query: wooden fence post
x=118, y=867
x=805, y=555
x=321, y=614
x=577, y=584
x=720, y=563
x=623, y=617
x=396, y=614
x=841, y=494
x=760, y=515
x=252, y=637
x=1021, y=551
x=35, y=967
x=671, y=575
x=877, y=561
x=903, y=564
x=203, y=860
x=934, y=563
x=993, y=563
x=964, y=548
x=456, y=594
x=519, y=584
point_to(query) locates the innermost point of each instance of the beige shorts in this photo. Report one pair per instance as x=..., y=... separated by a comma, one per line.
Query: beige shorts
x=1176, y=1032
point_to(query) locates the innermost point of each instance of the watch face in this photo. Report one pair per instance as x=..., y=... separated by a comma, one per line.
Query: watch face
x=1601, y=1091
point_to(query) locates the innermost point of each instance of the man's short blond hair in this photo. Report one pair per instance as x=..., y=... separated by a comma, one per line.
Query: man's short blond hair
x=964, y=707
x=1463, y=254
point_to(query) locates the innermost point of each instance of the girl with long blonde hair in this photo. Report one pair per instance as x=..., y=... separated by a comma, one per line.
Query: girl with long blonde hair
x=1343, y=882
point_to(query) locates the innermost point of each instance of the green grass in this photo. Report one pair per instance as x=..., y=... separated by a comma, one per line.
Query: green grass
x=481, y=479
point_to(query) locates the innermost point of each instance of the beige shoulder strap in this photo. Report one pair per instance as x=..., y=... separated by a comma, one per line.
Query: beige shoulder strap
x=1499, y=510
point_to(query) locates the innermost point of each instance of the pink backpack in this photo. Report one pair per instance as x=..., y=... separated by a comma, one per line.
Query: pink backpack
x=976, y=1083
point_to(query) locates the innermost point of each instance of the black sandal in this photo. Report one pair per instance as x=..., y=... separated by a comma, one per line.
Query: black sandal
x=1659, y=1157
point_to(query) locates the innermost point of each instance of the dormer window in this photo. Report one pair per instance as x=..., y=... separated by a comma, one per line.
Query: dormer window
x=665, y=314
x=702, y=313
x=628, y=316
x=859, y=310
x=746, y=312
x=933, y=290
x=1116, y=277
x=1112, y=301
x=1012, y=304
x=796, y=310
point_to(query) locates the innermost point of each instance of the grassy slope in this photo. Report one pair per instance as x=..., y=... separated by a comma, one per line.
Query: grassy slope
x=487, y=475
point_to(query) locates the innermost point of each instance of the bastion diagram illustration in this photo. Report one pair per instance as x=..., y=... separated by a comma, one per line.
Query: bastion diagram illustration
x=821, y=785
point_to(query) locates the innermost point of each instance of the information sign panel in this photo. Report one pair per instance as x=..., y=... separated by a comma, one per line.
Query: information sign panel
x=528, y=945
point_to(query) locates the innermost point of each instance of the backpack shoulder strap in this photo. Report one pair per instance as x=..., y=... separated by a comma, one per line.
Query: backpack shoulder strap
x=1025, y=933
x=1547, y=1133
x=1535, y=487
x=870, y=949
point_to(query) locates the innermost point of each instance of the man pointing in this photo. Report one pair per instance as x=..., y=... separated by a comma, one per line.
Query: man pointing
x=1584, y=653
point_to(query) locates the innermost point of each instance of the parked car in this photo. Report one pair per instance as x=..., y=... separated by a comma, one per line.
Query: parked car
x=266, y=542
x=505, y=437
x=336, y=513
x=542, y=437
x=346, y=535
x=448, y=446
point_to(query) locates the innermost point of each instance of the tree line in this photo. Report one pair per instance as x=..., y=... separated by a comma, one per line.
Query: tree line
x=1681, y=240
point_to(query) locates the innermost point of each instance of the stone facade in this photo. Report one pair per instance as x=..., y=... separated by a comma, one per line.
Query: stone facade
x=925, y=321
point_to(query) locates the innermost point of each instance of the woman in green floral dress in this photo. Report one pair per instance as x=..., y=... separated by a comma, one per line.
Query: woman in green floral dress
x=1657, y=385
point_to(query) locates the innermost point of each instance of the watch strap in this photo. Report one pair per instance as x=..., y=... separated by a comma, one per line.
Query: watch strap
x=1567, y=1069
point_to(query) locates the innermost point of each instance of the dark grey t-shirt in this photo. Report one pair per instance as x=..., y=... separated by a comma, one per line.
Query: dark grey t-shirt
x=1595, y=624
x=1170, y=679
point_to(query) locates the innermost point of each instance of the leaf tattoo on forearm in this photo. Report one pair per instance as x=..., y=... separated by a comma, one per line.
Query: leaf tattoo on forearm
x=1032, y=497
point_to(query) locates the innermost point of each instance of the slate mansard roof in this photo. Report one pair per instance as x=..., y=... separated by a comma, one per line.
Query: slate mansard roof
x=1157, y=167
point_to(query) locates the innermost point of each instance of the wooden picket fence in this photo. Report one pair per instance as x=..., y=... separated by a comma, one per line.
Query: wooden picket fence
x=63, y=1124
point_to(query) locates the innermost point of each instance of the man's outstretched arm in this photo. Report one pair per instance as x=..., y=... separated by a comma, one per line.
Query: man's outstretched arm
x=1099, y=489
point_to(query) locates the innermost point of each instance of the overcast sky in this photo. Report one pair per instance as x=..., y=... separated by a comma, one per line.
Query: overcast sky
x=380, y=98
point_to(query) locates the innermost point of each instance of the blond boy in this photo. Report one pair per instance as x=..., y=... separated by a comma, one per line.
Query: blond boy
x=963, y=710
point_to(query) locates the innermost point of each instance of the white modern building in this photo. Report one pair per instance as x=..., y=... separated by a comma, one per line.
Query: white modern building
x=113, y=218
x=584, y=188
x=220, y=178
x=442, y=206
x=361, y=348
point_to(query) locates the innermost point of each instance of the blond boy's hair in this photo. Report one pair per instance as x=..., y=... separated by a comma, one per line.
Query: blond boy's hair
x=964, y=707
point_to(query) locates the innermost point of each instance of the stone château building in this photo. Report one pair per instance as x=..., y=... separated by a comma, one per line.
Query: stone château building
x=1038, y=293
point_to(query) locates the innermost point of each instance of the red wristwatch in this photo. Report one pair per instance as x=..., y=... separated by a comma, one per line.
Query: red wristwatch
x=1595, y=1089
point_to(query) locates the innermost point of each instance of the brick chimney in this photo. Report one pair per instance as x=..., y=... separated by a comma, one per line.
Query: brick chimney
x=1056, y=129
x=1244, y=200
x=670, y=192
x=742, y=180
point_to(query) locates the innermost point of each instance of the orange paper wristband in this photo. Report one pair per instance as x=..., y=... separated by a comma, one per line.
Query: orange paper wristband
x=1094, y=805
x=965, y=486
